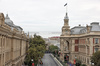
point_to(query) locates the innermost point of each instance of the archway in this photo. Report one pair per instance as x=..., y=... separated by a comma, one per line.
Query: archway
x=66, y=57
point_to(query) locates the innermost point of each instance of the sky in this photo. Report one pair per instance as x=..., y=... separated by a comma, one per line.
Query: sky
x=48, y=15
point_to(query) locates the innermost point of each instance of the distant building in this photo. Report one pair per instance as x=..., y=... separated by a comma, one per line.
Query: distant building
x=55, y=41
x=52, y=41
x=79, y=42
x=46, y=34
x=13, y=43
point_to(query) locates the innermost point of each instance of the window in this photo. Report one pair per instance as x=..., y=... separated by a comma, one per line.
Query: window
x=96, y=49
x=88, y=40
x=76, y=41
x=96, y=40
x=76, y=48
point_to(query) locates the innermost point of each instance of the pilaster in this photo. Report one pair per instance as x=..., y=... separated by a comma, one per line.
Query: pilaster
x=91, y=45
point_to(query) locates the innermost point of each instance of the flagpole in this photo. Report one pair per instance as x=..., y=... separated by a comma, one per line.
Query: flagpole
x=66, y=8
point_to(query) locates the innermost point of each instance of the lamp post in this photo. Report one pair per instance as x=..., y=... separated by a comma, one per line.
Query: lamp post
x=32, y=62
x=75, y=57
x=92, y=64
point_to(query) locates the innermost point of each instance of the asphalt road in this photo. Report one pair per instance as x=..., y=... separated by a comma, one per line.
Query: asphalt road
x=48, y=61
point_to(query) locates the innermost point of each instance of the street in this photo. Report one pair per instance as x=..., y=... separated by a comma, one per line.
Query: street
x=48, y=61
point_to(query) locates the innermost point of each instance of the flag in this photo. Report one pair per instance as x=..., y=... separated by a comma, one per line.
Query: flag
x=65, y=4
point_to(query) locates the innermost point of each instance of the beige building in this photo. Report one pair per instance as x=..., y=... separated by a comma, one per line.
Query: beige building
x=79, y=42
x=13, y=43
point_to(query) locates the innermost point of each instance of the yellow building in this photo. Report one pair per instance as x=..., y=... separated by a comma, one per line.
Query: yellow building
x=13, y=43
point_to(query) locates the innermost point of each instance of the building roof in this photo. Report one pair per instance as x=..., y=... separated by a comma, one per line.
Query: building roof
x=77, y=29
x=82, y=29
x=95, y=26
x=11, y=24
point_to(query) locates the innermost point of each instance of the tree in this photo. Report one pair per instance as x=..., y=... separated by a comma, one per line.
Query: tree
x=52, y=48
x=96, y=58
x=98, y=64
x=36, y=50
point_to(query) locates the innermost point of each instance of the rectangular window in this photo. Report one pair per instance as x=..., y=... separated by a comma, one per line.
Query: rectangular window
x=96, y=49
x=96, y=41
x=76, y=41
x=76, y=48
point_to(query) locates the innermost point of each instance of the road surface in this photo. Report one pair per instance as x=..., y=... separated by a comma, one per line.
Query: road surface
x=48, y=61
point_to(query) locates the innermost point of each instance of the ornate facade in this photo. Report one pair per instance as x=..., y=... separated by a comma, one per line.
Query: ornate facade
x=79, y=42
x=13, y=43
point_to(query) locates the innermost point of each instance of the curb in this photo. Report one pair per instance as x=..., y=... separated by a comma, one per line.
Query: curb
x=59, y=64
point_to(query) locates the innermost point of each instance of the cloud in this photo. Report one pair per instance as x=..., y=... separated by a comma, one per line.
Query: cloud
x=47, y=15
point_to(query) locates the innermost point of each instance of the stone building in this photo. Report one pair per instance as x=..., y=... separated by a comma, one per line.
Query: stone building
x=13, y=43
x=79, y=42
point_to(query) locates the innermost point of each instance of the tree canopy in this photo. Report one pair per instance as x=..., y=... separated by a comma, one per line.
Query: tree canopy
x=53, y=48
x=36, y=50
x=96, y=58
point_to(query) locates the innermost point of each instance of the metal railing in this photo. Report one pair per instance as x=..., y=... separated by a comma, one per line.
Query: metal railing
x=64, y=64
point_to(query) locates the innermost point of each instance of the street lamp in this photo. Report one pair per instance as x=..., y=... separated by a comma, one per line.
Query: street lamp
x=32, y=62
x=75, y=57
x=92, y=64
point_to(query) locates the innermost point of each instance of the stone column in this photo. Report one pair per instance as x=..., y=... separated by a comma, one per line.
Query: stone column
x=62, y=57
x=91, y=46
x=0, y=60
x=62, y=49
x=86, y=50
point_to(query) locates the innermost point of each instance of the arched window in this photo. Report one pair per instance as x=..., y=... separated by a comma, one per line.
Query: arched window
x=66, y=46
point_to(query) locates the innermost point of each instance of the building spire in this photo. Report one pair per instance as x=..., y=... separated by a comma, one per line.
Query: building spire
x=7, y=17
x=66, y=27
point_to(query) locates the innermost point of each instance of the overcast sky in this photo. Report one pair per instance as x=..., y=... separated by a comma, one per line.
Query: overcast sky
x=48, y=15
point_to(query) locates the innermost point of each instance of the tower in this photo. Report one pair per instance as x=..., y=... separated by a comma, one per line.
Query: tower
x=66, y=27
